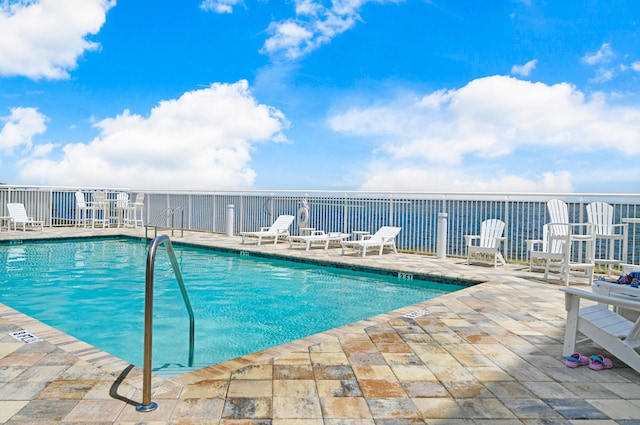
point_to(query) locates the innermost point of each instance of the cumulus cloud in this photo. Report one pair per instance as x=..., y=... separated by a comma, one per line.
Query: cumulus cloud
x=488, y=119
x=219, y=6
x=603, y=55
x=202, y=140
x=314, y=25
x=524, y=70
x=19, y=128
x=44, y=39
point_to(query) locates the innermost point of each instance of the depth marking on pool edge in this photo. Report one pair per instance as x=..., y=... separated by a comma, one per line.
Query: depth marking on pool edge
x=25, y=336
x=416, y=314
x=405, y=276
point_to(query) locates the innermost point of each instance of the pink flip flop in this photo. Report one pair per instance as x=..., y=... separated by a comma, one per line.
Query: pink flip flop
x=600, y=362
x=575, y=360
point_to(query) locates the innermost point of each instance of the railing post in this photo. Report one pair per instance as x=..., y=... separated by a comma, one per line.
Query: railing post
x=230, y=220
x=442, y=236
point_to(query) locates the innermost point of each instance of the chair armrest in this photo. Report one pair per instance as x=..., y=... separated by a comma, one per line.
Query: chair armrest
x=264, y=229
x=317, y=233
x=470, y=238
x=615, y=301
x=533, y=242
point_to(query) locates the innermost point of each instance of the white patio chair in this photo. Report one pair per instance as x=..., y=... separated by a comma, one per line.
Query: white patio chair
x=601, y=216
x=560, y=238
x=135, y=210
x=486, y=244
x=99, y=209
x=122, y=208
x=279, y=229
x=19, y=217
x=384, y=237
x=541, y=251
x=82, y=210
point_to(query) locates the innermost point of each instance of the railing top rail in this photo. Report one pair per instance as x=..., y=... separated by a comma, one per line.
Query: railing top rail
x=442, y=194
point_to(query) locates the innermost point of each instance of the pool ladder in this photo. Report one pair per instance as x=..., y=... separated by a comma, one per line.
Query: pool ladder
x=147, y=405
x=167, y=213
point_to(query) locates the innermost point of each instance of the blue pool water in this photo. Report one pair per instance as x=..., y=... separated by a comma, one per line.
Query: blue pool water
x=94, y=291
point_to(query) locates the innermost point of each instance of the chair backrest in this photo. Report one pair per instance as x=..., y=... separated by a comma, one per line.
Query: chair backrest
x=490, y=231
x=282, y=223
x=558, y=211
x=17, y=212
x=139, y=199
x=600, y=214
x=122, y=200
x=80, y=202
x=559, y=238
x=385, y=233
x=99, y=198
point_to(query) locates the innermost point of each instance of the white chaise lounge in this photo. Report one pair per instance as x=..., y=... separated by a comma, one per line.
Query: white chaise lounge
x=384, y=237
x=20, y=218
x=317, y=237
x=279, y=229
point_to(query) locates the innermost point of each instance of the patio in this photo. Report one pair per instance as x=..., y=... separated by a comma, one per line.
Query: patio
x=491, y=353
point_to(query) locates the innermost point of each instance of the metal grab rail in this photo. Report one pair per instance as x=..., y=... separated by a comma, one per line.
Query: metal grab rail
x=167, y=212
x=147, y=405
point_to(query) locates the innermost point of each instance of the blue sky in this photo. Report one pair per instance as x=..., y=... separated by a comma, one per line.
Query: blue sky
x=506, y=95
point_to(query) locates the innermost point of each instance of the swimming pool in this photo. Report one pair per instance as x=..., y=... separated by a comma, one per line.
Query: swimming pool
x=94, y=291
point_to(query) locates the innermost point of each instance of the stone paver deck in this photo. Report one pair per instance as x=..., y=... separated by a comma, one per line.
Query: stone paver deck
x=488, y=354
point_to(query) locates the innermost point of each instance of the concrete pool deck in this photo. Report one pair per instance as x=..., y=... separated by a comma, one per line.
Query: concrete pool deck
x=488, y=354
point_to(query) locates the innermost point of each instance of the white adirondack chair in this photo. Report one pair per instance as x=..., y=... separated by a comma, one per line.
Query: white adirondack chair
x=82, y=210
x=601, y=216
x=561, y=239
x=602, y=325
x=541, y=251
x=486, y=244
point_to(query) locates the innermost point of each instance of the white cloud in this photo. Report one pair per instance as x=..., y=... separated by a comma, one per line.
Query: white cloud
x=524, y=70
x=483, y=122
x=19, y=128
x=44, y=39
x=459, y=180
x=202, y=140
x=636, y=66
x=314, y=25
x=603, y=75
x=603, y=55
x=219, y=6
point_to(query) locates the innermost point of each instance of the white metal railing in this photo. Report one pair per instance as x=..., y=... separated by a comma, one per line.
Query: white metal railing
x=348, y=211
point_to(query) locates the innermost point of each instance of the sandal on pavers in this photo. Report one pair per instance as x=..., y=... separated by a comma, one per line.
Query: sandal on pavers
x=575, y=360
x=600, y=362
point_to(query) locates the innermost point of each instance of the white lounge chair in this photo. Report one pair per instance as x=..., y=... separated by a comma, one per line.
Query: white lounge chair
x=279, y=229
x=384, y=237
x=602, y=325
x=317, y=237
x=19, y=217
x=485, y=247
x=601, y=216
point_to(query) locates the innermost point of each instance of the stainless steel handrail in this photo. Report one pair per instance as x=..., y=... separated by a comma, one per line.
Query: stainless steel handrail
x=167, y=212
x=147, y=405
